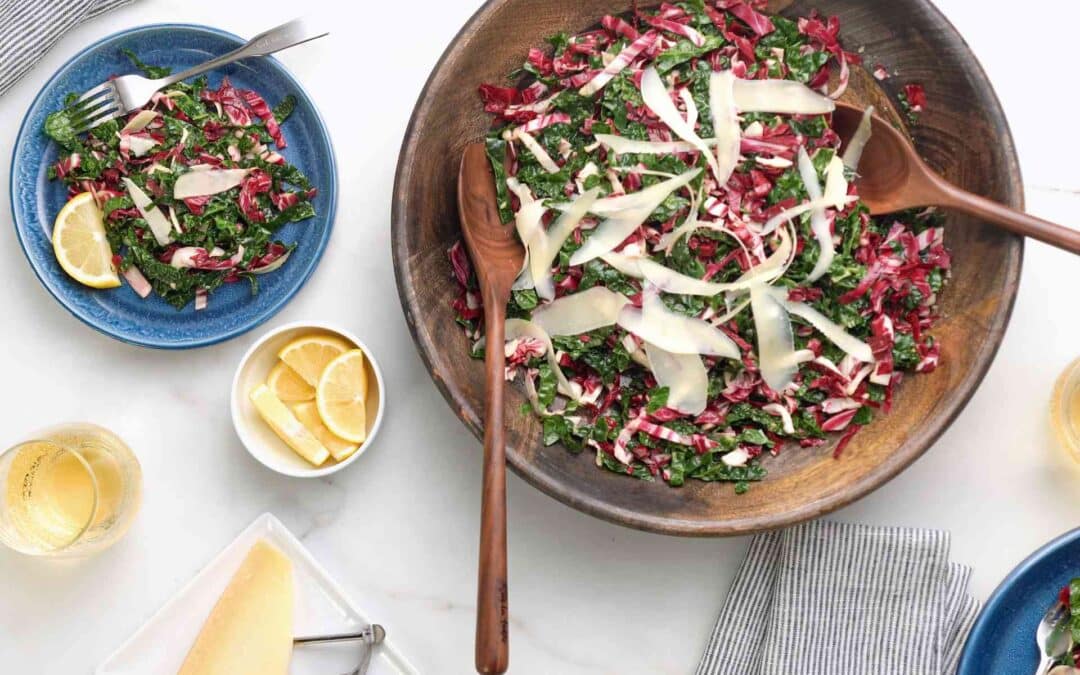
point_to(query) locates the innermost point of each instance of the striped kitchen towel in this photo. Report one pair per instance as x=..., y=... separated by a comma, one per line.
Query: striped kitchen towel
x=29, y=28
x=829, y=598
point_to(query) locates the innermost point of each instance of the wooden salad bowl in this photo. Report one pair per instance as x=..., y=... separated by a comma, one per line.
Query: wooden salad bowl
x=963, y=134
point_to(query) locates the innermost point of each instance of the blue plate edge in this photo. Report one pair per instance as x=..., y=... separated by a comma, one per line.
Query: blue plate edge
x=235, y=332
x=992, y=606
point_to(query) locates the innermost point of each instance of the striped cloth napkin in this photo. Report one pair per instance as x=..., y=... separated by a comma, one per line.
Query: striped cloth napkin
x=29, y=29
x=829, y=598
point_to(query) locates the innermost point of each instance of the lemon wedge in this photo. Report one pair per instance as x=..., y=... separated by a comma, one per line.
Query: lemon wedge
x=80, y=244
x=287, y=427
x=288, y=386
x=309, y=355
x=341, y=396
x=308, y=414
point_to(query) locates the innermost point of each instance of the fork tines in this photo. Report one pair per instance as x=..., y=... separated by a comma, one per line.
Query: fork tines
x=95, y=107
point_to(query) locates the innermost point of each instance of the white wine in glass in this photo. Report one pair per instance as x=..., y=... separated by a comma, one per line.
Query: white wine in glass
x=72, y=490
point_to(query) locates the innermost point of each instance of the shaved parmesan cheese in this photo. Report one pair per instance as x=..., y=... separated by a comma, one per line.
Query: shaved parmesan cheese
x=852, y=345
x=731, y=313
x=520, y=189
x=773, y=162
x=544, y=245
x=139, y=145
x=691, y=108
x=581, y=312
x=627, y=212
x=207, y=182
x=621, y=145
x=175, y=222
x=667, y=242
x=796, y=211
x=777, y=410
x=685, y=377
x=853, y=152
x=657, y=98
x=670, y=281
x=537, y=150
x=527, y=222
x=780, y=96
x=652, y=196
x=625, y=264
x=725, y=124
x=819, y=220
x=775, y=340
x=737, y=457
x=139, y=122
x=159, y=224
x=519, y=328
x=674, y=332
x=836, y=185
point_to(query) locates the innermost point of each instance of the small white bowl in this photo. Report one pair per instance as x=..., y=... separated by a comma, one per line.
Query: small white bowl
x=259, y=439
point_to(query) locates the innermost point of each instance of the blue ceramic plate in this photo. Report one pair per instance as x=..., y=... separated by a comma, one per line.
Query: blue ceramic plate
x=1003, y=639
x=119, y=312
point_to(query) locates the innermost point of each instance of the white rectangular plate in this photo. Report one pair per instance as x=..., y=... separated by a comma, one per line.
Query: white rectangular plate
x=159, y=647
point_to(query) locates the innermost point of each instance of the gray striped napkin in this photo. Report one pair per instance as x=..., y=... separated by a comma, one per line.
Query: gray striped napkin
x=29, y=28
x=829, y=598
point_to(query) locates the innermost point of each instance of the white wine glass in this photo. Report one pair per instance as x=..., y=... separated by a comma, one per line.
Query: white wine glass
x=72, y=490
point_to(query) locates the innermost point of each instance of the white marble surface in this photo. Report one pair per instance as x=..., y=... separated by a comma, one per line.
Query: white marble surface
x=398, y=529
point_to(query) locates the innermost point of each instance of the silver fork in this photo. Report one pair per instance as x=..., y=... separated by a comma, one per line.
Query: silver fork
x=120, y=96
x=1053, y=636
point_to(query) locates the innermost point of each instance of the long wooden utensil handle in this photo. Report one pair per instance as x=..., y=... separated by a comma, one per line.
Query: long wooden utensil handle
x=1010, y=219
x=492, y=606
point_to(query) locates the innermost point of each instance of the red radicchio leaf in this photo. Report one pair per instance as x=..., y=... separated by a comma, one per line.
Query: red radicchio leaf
x=255, y=183
x=262, y=111
x=916, y=96
x=758, y=22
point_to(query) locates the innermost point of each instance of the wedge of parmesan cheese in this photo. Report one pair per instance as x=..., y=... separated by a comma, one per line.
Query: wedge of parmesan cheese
x=249, y=631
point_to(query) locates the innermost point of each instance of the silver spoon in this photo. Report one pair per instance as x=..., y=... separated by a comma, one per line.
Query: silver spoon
x=1053, y=636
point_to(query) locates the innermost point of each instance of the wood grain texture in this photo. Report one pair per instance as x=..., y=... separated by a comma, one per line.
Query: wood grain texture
x=892, y=177
x=963, y=135
x=497, y=256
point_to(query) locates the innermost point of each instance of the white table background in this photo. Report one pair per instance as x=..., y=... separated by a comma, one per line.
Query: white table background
x=399, y=528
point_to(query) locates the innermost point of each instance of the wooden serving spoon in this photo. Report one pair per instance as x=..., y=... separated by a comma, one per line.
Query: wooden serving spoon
x=497, y=257
x=892, y=177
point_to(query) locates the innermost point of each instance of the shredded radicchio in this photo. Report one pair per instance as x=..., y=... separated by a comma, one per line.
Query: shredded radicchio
x=214, y=239
x=881, y=287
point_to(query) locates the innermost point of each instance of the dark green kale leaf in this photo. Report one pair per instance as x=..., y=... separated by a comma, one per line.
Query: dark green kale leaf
x=496, y=152
x=282, y=110
x=59, y=127
x=152, y=72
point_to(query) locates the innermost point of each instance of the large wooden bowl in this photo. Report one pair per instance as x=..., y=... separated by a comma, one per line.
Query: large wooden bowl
x=963, y=134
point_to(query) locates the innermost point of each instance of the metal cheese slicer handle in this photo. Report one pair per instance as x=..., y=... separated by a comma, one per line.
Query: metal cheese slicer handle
x=373, y=634
x=370, y=635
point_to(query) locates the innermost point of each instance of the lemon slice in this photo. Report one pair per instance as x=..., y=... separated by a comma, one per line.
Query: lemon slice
x=288, y=386
x=308, y=414
x=287, y=427
x=308, y=355
x=341, y=396
x=80, y=244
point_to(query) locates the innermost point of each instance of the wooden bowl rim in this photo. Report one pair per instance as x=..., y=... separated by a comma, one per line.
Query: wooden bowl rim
x=906, y=454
